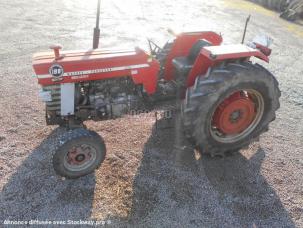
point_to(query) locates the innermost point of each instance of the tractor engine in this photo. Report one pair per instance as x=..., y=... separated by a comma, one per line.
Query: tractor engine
x=96, y=100
x=108, y=98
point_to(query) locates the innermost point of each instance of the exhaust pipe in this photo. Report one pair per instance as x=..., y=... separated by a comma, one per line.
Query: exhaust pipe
x=245, y=28
x=96, y=29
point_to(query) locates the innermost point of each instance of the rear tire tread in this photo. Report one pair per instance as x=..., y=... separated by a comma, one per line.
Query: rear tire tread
x=208, y=87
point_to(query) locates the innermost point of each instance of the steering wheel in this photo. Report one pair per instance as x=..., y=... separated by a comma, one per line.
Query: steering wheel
x=153, y=47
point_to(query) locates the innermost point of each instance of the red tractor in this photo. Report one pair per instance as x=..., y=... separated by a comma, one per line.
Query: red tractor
x=226, y=101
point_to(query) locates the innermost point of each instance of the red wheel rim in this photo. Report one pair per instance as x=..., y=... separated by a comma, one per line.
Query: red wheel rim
x=234, y=114
x=80, y=157
x=237, y=115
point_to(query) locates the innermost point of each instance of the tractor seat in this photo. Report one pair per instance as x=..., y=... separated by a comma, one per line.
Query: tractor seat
x=184, y=64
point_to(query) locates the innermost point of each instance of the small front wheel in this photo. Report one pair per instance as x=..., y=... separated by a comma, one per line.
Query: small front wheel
x=80, y=152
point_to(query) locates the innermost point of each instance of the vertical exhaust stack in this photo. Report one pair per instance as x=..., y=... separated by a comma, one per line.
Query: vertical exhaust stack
x=245, y=28
x=96, y=29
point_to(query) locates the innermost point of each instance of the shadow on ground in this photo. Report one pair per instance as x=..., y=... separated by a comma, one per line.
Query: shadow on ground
x=35, y=192
x=171, y=188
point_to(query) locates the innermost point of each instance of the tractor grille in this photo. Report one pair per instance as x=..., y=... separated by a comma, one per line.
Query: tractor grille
x=55, y=104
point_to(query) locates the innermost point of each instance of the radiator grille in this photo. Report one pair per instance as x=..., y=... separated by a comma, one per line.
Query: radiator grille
x=55, y=104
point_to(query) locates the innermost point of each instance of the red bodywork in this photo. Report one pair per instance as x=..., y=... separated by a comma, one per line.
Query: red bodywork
x=99, y=64
x=182, y=46
x=210, y=56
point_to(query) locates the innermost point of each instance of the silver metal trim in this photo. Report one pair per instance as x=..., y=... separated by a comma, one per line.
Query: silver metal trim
x=67, y=99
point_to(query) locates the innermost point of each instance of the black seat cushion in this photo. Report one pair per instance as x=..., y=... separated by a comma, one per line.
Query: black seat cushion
x=183, y=64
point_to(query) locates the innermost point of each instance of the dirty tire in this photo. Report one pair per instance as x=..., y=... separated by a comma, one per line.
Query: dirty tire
x=73, y=139
x=209, y=91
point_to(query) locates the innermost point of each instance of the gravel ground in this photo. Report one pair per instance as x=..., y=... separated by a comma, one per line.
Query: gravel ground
x=144, y=181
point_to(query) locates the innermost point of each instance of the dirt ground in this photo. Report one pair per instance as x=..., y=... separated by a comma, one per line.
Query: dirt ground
x=143, y=181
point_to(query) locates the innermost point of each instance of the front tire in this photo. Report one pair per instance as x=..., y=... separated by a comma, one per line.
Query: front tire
x=230, y=107
x=79, y=153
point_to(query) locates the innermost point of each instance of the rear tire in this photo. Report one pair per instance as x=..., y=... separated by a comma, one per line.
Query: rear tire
x=79, y=153
x=203, y=99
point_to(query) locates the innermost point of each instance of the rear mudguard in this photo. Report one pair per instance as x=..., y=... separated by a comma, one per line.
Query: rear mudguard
x=214, y=55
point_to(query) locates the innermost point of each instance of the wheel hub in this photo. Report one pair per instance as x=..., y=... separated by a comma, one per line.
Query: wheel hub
x=80, y=158
x=234, y=114
x=79, y=155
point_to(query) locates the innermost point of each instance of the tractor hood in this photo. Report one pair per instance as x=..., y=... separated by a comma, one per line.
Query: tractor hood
x=61, y=67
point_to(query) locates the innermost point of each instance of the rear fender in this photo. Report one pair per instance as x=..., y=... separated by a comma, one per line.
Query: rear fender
x=214, y=55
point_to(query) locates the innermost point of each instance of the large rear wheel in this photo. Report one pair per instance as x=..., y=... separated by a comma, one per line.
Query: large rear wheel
x=230, y=107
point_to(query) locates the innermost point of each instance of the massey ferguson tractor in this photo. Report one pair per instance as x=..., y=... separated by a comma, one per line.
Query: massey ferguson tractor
x=226, y=100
